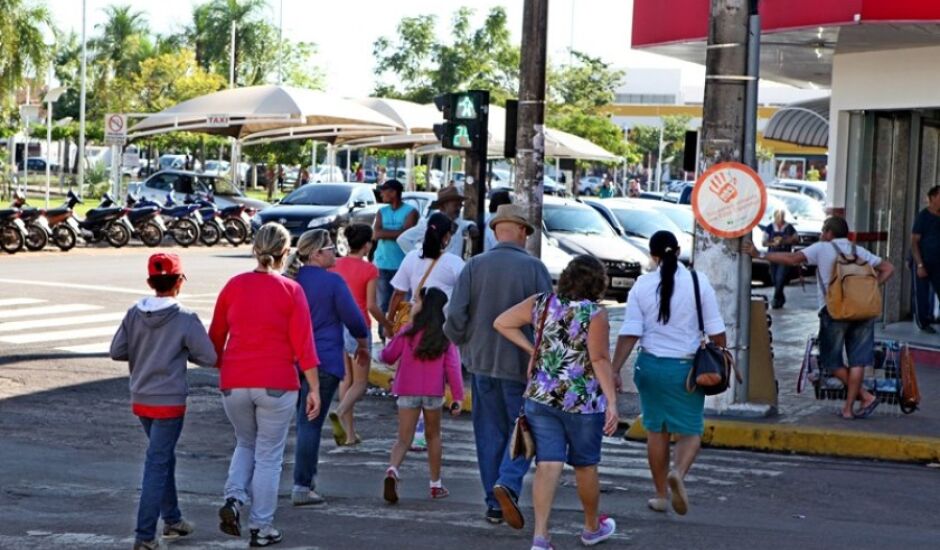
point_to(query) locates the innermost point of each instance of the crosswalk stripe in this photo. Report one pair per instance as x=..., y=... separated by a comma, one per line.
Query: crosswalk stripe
x=12, y=326
x=100, y=347
x=19, y=301
x=46, y=310
x=58, y=335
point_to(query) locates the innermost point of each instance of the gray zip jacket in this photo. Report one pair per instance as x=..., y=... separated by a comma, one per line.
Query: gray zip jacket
x=157, y=337
x=490, y=284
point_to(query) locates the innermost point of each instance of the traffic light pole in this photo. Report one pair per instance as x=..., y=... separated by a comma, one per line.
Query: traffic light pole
x=478, y=164
x=530, y=141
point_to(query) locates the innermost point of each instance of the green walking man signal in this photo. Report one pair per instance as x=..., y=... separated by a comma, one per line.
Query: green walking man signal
x=465, y=115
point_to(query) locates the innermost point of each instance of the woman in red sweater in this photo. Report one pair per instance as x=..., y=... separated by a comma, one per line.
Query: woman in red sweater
x=262, y=333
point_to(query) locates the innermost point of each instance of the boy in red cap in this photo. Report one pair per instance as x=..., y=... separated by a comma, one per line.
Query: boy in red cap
x=157, y=337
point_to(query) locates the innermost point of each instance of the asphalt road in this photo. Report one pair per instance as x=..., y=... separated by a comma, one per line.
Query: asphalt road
x=71, y=452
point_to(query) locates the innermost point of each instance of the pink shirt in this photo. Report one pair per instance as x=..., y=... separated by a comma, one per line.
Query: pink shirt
x=419, y=377
x=262, y=333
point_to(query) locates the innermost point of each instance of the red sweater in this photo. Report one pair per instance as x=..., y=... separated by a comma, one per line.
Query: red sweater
x=261, y=329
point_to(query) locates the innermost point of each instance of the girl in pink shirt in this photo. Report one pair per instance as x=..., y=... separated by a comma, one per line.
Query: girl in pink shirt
x=428, y=358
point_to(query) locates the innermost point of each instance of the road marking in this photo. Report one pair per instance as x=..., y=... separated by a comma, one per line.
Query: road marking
x=88, y=349
x=110, y=289
x=58, y=335
x=60, y=321
x=46, y=310
x=19, y=301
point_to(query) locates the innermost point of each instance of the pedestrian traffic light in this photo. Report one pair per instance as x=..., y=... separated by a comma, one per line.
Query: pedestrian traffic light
x=464, y=119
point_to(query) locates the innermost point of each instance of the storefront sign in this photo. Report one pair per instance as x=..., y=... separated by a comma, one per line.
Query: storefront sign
x=729, y=200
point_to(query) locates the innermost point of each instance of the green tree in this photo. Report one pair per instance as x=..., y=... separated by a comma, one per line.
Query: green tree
x=646, y=139
x=22, y=47
x=576, y=93
x=124, y=40
x=168, y=79
x=422, y=66
x=211, y=37
x=299, y=69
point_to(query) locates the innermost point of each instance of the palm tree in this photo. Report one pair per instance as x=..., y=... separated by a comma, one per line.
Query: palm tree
x=123, y=42
x=211, y=36
x=22, y=46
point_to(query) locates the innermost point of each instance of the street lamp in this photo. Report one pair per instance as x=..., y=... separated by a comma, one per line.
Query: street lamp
x=28, y=113
x=51, y=97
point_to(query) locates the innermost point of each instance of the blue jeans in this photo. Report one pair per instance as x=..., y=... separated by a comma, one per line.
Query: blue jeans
x=779, y=274
x=307, y=453
x=158, y=488
x=496, y=405
x=562, y=436
x=261, y=418
x=383, y=293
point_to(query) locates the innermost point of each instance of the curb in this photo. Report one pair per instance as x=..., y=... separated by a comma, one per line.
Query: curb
x=381, y=376
x=778, y=438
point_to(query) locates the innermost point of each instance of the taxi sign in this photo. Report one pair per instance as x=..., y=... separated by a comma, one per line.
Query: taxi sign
x=729, y=199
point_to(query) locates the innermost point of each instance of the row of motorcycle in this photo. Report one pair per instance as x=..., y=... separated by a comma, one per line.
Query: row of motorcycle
x=197, y=219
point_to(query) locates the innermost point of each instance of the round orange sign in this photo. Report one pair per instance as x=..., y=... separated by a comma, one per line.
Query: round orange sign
x=729, y=200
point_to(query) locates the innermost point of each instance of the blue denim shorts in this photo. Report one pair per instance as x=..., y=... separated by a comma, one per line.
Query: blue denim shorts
x=350, y=344
x=428, y=402
x=561, y=436
x=856, y=338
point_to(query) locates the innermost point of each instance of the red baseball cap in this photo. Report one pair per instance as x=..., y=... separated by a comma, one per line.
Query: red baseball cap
x=162, y=263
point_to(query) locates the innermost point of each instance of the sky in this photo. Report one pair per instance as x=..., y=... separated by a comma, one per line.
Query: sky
x=345, y=31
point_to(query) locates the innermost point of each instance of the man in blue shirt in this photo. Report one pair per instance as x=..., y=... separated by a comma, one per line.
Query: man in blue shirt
x=392, y=220
x=925, y=252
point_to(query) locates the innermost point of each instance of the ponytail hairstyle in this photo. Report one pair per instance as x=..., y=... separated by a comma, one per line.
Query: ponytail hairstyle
x=439, y=226
x=664, y=246
x=430, y=322
x=307, y=244
x=269, y=245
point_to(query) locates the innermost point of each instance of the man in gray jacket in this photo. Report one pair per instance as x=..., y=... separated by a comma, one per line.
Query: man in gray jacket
x=157, y=337
x=488, y=285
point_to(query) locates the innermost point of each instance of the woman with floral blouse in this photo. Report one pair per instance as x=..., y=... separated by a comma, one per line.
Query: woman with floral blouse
x=571, y=397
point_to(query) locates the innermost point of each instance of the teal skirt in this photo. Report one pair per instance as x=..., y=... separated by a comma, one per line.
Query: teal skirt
x=664, y=401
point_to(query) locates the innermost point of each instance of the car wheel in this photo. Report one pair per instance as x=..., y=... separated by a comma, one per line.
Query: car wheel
x=342, y=245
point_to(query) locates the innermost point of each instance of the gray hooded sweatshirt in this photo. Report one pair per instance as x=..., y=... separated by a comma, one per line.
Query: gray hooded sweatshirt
x=157, y=337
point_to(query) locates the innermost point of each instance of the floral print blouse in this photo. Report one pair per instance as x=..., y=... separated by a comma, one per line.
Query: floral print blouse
x=563, y=376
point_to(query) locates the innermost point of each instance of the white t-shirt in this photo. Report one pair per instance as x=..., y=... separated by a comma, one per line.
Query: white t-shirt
x=413, y=267
x=680, y=337
x=414, y=237
x=823, y=256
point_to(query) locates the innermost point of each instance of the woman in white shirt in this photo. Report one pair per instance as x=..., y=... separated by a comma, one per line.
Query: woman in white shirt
x=662, y=316
x=417, y=264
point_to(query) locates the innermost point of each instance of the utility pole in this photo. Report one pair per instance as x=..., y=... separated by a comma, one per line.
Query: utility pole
x=530, y=140
x=81, y=108
x=724, y=138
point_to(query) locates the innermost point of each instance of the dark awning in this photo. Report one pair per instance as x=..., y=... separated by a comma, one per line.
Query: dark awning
x=802, y=123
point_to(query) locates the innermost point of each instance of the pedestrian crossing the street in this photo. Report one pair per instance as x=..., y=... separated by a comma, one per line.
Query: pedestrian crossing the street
x=71, y=328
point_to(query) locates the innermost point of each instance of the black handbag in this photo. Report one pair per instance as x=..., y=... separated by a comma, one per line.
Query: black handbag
x=712, y=366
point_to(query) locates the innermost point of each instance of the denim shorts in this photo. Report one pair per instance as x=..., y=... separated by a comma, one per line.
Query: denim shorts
x=420, y=402
x=562, y=436
x=350, y=344
x=856, y=338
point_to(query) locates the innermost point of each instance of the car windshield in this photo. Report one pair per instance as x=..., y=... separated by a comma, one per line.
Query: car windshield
x=568, y=219
x=682, y=217
x=216, y=165
x=319, y=194
x=218, y=186
x=645, y=222
x=802, y=206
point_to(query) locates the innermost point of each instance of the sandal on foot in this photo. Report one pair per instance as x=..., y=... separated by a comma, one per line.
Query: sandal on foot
x=339, y=433
x=680, y=500
x=657, y=504
x=866, y=412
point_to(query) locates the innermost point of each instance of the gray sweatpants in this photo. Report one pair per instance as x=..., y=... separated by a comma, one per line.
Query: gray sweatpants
x=261, y=419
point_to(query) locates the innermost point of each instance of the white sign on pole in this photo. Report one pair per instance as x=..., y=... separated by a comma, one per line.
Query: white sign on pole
x=130, y=160
x=217, y=121
x=115, y=128
x=729, y=200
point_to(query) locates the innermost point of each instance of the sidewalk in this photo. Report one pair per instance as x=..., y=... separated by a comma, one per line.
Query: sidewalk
x=803, y=424
x=806, y=425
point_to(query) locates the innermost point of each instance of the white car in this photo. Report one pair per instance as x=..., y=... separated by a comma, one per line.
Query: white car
x=588, y=184
x=325, y=174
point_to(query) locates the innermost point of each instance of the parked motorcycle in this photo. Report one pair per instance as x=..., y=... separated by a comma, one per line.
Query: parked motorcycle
x=107, y=223
x=37, y=227
x=210, y=231
x=13, y=231
x=182, y=222
x=146, y=221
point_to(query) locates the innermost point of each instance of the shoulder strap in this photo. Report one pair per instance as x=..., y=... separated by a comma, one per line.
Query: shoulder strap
x=698, y=304
x=541, y=328
x=427, y=273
